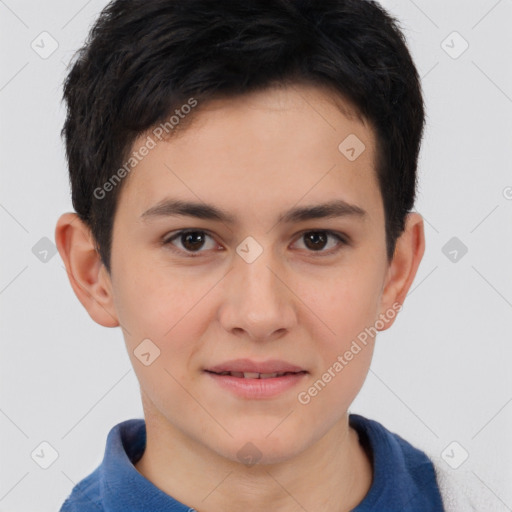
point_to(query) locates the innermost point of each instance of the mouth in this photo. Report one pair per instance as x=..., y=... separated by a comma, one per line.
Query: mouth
x=255, y=375
x=253, y=380
x=251, y=369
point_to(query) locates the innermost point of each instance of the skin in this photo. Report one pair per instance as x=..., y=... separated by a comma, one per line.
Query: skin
x=256, y=157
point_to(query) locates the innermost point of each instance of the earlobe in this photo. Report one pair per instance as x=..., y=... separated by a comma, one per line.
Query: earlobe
x=87, y=275
x=409, y=251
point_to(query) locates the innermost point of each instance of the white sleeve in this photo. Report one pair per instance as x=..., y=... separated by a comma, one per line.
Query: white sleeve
x=461, y=491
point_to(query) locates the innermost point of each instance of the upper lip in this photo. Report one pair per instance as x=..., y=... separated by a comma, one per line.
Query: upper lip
x=250, y=366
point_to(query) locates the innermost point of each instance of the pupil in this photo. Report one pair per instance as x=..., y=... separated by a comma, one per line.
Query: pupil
x=188, y=240
x=314, y=237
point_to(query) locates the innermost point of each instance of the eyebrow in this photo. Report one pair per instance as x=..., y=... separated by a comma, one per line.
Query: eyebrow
x=176, y=207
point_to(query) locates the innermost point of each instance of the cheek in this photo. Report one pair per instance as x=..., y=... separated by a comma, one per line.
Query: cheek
x=342, y=304
x=153, y=300
x=169, y=309
x=344, y=307
x=344, y=352
x=347, y=351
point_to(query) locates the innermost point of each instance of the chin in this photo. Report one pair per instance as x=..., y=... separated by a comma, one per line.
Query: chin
x=260, y=450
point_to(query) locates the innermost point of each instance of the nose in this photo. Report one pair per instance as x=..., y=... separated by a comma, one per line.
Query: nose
x=259, y=303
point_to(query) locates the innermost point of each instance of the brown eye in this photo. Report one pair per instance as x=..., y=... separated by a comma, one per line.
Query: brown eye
x=317, y=241
x=191, y=241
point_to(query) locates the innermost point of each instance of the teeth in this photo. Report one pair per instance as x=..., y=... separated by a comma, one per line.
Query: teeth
x=249, y=375
x=269, y=375
x=253, y=375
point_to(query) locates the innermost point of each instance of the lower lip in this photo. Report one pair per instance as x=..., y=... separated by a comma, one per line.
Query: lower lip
x=257, y=388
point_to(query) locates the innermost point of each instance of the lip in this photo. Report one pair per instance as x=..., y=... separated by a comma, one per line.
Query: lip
x=256, y=388
x=248, y=365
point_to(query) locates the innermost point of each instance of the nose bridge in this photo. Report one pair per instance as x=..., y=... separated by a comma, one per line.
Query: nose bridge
x=260, y=281
x=259, y=302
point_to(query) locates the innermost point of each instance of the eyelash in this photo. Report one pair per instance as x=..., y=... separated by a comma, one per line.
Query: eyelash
x=190, y=254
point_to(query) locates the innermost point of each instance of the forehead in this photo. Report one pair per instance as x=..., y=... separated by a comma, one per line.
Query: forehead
x=281, y=145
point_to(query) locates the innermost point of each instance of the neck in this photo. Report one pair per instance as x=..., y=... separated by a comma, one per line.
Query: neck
x=333, y=474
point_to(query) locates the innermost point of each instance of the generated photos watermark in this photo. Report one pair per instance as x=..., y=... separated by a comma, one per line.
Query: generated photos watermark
x=145, y=148
x=305, y=397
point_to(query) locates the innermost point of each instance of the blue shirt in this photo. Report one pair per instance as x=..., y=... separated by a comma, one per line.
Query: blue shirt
x=404, y=479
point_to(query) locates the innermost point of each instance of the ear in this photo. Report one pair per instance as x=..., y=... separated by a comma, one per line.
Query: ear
x=409, y=251
x=86, y=272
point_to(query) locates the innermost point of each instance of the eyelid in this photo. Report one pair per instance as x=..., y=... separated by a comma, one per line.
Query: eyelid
x=170, y=237
x=175, y=234
x=342, y=238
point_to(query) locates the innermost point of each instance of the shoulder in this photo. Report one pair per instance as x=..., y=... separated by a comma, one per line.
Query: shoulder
x=100, y=489
x=403, y=475
x=459, y=490
x=85, y=496
x=428, y=475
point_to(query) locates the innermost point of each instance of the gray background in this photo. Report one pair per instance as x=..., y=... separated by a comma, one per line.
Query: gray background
x=440, y=374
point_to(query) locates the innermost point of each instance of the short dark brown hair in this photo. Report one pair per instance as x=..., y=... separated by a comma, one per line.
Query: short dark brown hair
x=144, y=59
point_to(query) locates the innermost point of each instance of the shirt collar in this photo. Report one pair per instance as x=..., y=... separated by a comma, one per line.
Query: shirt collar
x=403, y=476
x=122, y=486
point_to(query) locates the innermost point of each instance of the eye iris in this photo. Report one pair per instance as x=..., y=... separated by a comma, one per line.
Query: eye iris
x=314, y=237
x=187, y=239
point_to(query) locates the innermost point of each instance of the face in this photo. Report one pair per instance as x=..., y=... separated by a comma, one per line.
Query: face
x=259, y=283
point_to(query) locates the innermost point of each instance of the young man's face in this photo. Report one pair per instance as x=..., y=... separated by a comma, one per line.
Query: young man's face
x=255, y=287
